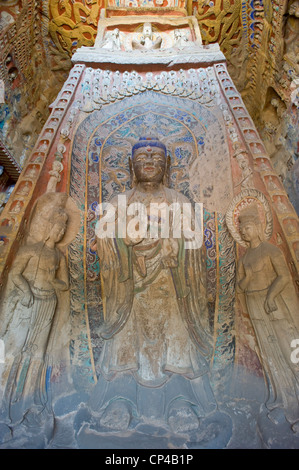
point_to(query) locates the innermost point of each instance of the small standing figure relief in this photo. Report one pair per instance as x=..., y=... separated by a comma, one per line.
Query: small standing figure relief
x=247, y=172
x=55, y=176
x=247, y=175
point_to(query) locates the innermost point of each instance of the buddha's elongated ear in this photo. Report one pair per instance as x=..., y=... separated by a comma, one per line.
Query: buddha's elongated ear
x=166, y=178
x=260, y=231
x=133, y=180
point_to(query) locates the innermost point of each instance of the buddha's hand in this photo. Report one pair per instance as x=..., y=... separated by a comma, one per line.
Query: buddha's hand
x=27, y=299
x=170, y=249
x=270, y=304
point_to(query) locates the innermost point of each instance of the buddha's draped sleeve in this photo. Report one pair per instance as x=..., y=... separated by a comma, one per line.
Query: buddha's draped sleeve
x=190, y=283
x=194, y=307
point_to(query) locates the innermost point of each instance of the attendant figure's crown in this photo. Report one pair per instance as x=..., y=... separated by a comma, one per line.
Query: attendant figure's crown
x=249, y=214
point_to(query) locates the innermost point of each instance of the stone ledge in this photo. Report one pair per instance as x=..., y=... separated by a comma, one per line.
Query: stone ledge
x=199, y=54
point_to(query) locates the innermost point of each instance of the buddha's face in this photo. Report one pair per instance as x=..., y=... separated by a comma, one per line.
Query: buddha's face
x=147, y=30
x=149, y=164
x=57, y=231
x=249, y=231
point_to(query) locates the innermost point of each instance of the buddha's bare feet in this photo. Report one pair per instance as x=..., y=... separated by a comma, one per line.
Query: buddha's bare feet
x=117, y=416
x=182, y=418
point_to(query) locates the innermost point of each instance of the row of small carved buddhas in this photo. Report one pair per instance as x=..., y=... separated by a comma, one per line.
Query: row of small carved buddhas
x=110, y=88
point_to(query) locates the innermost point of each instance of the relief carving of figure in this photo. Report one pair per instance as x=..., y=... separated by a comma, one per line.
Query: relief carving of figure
x=112, y=40
x=38, y=274
x=16, y=208
x=147, y=41
x=55, y=176
x=247, y=172
x=155, y=330
x=180, y=39
x=24, y=190
x=265, y=281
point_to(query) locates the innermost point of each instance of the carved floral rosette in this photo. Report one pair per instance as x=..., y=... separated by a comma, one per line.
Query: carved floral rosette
x=242, y=201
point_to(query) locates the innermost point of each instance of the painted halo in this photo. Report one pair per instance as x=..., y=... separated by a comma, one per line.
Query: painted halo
x=242, y=201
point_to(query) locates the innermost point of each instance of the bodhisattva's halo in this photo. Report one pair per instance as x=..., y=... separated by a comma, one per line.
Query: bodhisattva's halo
x=243, y=201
